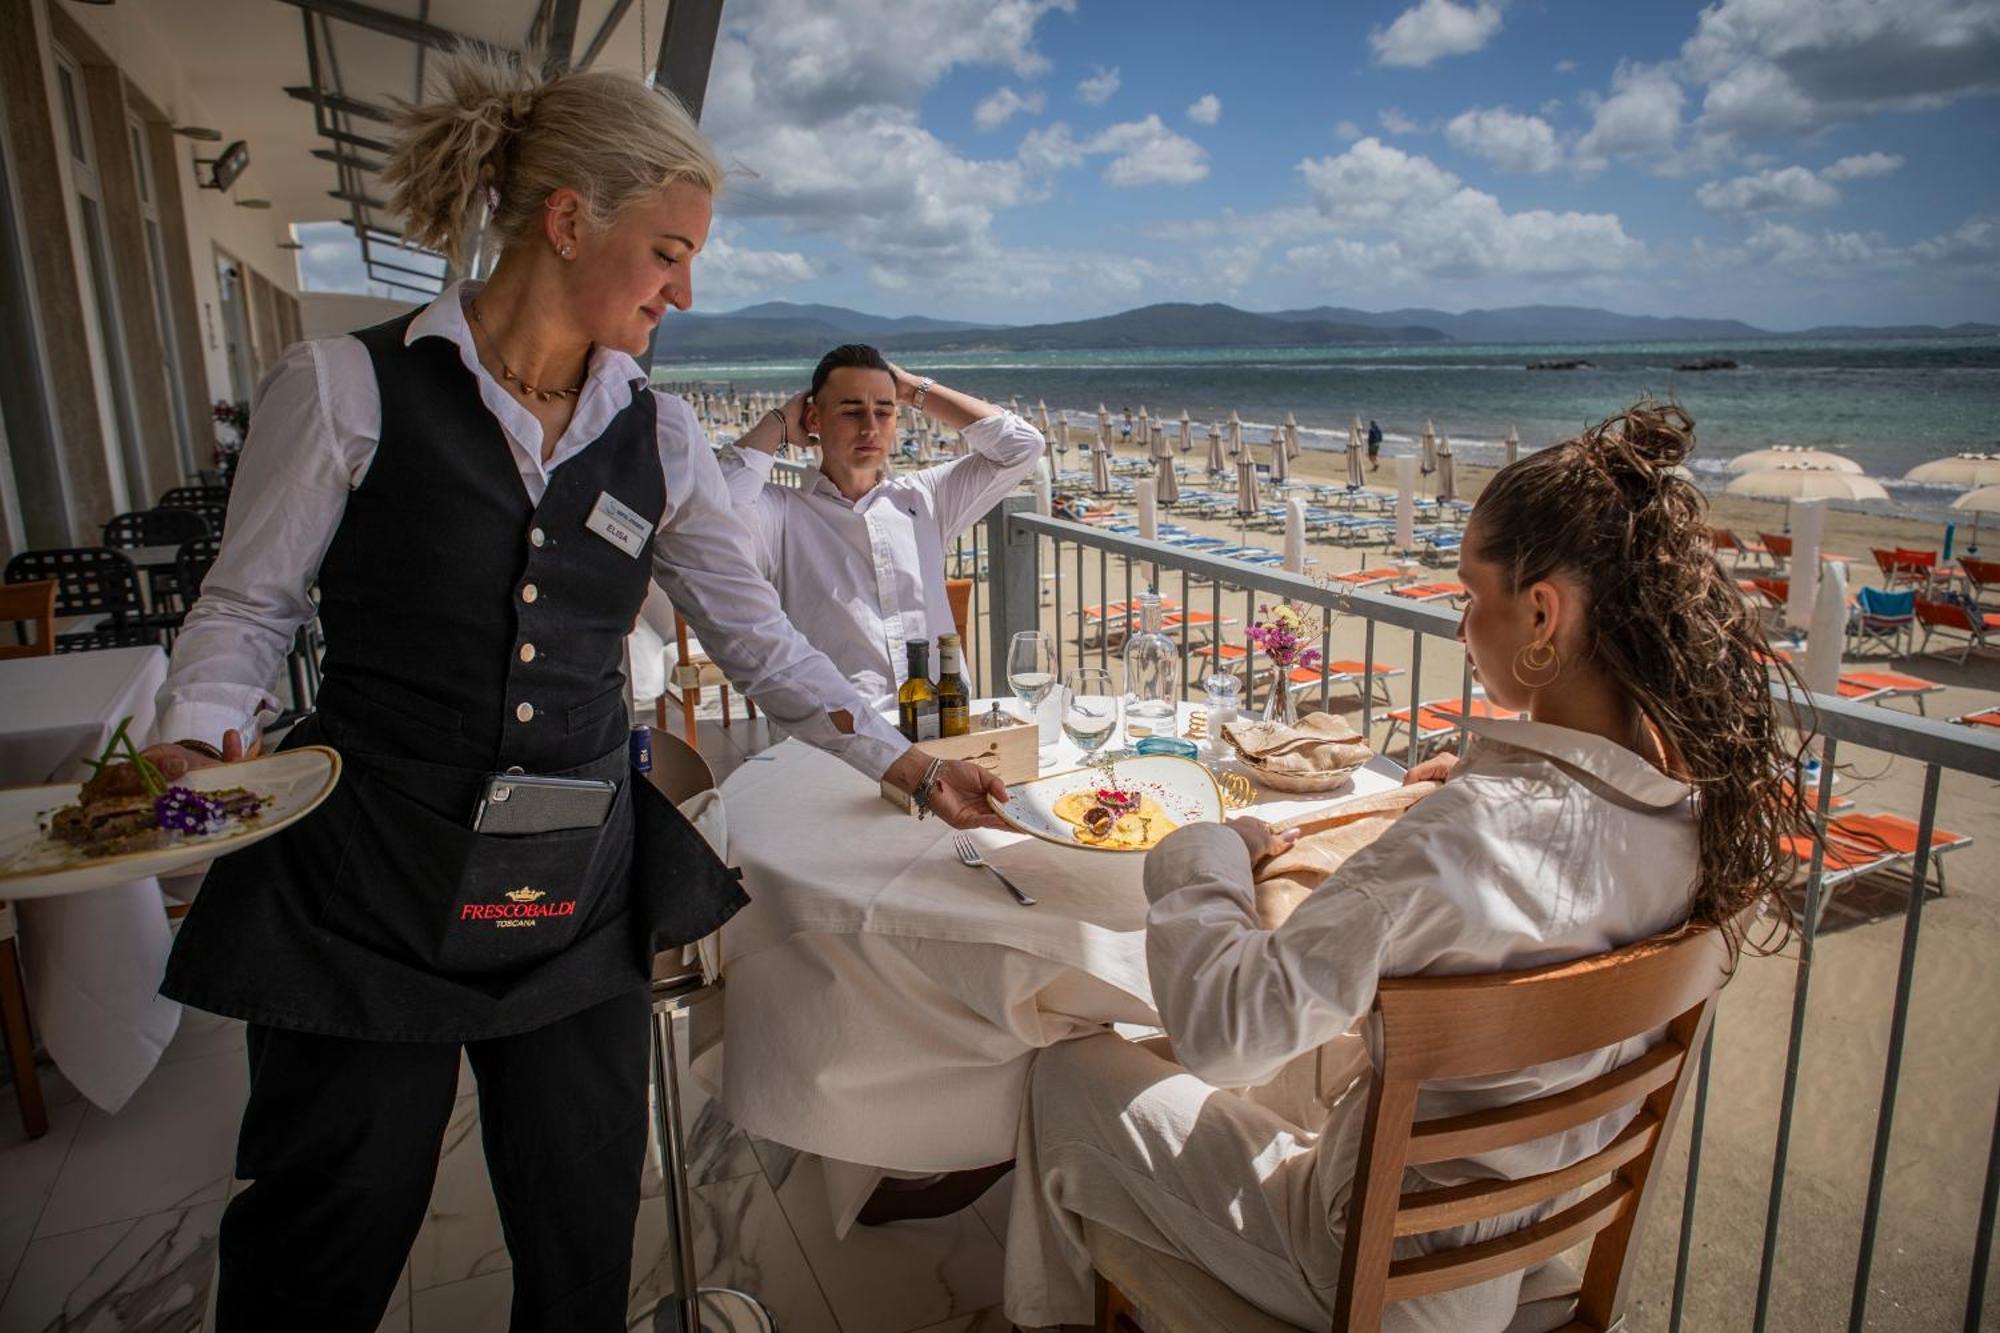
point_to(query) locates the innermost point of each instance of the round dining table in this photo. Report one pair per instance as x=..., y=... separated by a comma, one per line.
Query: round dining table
x=882, y=1000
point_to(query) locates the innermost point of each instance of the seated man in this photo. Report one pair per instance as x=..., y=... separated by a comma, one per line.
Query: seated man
x=858, y=556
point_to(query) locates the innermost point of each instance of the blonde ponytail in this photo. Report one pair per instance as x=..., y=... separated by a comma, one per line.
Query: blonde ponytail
x=491, y=140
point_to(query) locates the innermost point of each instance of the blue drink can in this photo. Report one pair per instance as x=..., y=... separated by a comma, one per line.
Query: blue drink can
x=642, y=748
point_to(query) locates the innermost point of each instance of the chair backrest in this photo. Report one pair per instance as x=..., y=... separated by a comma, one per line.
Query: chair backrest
x=154, y=527
x=1475, y=1026
x=189, y=497
x=29, y=604
x=958, y=592
x=196, y=556
x=89, y=579
x=1879, y=604
x=1885, y=560
x=1946, y=615
x=1981, y=574
x=1915, y=562
x=1777, y=544
x=1722, y=539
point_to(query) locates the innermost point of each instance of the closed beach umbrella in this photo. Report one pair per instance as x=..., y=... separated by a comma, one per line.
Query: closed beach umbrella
x=1215, y=462
x=1103, y=424
x=1281, y=462
x=1295, y=535
x=1808, y=524
x=1353, y=458
x=1291, y=435
x=1187, y=432
x=1235, y=434
x=1162, y=447
x=1062, y=435
x=1826, y=631
x=1985, y=500
x=1100, y=468
x=1247, y=501
x=1958, y=470
x=1406, y=503
x=1806, y=483
x=1513, y=443
x=1430, y=446
x=1042, y=417
x=1149, y=509
x=1166, y=481
x=1045, y=490
x=1791, y=456
x=1446, y=489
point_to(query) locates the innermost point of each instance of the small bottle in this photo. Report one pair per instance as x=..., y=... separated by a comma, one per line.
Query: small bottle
x=642, y=749
x=954, y=704
x=1152, y=675
x=917, y=701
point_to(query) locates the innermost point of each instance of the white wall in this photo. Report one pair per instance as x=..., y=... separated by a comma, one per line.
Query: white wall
x=322, y=314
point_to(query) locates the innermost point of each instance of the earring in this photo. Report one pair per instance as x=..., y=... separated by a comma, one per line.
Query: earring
x=1542, y=660
x=566, y=251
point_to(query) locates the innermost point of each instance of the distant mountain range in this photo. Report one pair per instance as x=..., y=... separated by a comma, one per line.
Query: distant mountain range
x=781, y=329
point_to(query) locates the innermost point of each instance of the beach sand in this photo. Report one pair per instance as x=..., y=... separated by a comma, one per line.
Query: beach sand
x=1946, y=1098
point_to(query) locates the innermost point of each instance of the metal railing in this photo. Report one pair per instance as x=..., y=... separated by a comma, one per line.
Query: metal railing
x=1025, y=551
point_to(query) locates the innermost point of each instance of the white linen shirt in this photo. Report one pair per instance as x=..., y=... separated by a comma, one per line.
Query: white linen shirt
x=314, y=430
x=862, y=578
x=1546, y=845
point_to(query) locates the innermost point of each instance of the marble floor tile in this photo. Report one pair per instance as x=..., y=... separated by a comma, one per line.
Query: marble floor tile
x=170, y=1147
x=460, y=1238
x=28, y=1172
x=742, y=1241
x=396, y=1319
x=201, y=1033
x=476, y=1305
x=716, y=1148
x=893, y=1278
x=144, y=1275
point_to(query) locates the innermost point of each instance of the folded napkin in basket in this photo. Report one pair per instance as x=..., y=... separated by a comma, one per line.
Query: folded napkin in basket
x=1325, y=842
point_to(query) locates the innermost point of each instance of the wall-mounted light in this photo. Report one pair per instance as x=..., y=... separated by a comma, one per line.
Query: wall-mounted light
x=290, y=245
x=253, y=203
x=225, y=167
x=200, y=132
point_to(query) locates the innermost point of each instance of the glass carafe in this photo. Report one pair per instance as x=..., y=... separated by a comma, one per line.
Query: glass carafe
x=1152, y=675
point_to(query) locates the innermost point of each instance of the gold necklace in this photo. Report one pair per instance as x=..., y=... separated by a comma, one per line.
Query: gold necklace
x=526, y=390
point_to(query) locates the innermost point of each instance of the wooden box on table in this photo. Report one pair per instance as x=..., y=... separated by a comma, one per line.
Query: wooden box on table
x=1012, y=750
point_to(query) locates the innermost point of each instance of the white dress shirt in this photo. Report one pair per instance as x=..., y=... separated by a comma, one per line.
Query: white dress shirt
x=862, y=578
x=314, y=430
x=1546, y=845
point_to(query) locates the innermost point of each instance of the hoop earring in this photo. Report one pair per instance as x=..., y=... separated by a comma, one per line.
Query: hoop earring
x=1543, y=661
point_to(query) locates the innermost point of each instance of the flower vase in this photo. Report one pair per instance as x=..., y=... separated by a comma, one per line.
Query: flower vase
x=1280, y=705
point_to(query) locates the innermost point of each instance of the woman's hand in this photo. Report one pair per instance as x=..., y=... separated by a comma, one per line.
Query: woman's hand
x=1263, y=841
x=1435, y=769
x=959, y=795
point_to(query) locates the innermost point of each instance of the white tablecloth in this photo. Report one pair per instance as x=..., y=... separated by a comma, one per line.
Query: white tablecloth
x=93, y=960
x=882, y=1000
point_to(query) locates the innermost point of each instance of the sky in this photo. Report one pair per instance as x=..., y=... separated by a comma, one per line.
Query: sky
x=1784, y=162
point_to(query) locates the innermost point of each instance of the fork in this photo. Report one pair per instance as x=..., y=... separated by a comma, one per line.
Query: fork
x=968, y=852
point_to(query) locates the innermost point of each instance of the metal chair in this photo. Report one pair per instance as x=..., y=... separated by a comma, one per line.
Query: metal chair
x=680, y=774
x=154, y=527
x=1888, y=618
x=187, y=497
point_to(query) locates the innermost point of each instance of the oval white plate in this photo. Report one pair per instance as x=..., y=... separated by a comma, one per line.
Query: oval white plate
x=1184, y=789
x=34, y=865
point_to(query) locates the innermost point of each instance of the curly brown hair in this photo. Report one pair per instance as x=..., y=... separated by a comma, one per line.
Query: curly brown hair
x=1668, y=626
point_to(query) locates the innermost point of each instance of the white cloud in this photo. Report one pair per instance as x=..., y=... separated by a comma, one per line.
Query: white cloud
x=1642, y=115
x=1002, y=106
x=1974, y=244
x=1768, y=191
x=1774, y=66
x=1347, y=130
x=1433, y=29
x=1862, y=166
x=1391, y=212
x=1098, y=88
x=1395, y=122
x=1205, y=110
x=1565, y=67
x=727, y=271
x=1510, y=141
x=1142, y=152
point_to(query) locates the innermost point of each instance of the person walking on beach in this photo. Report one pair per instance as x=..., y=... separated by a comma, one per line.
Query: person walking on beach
x=1374, y=446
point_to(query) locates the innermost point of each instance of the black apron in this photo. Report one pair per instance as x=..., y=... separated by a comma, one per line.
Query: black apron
x=468, y=631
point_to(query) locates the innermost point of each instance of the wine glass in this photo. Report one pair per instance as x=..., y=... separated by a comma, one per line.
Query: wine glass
x=1090, y=709
x=1031, y=669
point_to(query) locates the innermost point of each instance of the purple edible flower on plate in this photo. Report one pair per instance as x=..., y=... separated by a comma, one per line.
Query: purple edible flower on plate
x=184, y=810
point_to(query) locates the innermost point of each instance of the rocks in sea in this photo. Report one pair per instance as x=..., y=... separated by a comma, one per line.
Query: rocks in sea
x=1708, y=363
x=1578, y=364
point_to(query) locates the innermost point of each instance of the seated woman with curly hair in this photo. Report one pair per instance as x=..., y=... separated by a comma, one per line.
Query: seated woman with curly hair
x=1645, y=788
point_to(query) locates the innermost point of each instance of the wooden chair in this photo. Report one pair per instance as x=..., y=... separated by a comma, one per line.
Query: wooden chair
x=1436, y=1028
x=693, y=673
x=29, y=604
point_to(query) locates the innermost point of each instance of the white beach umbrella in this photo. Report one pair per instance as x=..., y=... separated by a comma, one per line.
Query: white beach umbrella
x=1806, y=483
x=1826, y=631
x=1513, y=443
x=1145, y=424
x=1406, y=503
x=1014, y=404
x=1247, y=499
x=1291, y=435
x=1162, y=447
x=1985, y=500
x=1044, y=489
x=1447, y=488
x=1166, y=481
x=1808, y=521
x=1215, y=460
x=1295, y=535
x=1792, y=456
x=1281, y=462
x=1354, y=457
x=1235, y=434
x=1103, y=424
x=1100, y=468
x=1149, y=509
x=1187, y=432
x=1430, y=447
x=1958, y=470
x=1042, y=417
x=1062, y=435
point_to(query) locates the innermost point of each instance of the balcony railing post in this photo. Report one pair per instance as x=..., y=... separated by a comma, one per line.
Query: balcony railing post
x=1014, y=574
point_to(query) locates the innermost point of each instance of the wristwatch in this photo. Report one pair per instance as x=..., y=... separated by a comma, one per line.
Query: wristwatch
x=923, y=387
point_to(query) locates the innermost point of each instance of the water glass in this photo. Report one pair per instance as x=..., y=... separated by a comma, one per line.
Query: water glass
x=1090, y=709
x=1031, y=670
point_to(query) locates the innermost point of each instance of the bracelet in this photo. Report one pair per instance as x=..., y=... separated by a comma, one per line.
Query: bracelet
x=921, y=797
x=784, y=430
x=923, y=387
x=201, y=748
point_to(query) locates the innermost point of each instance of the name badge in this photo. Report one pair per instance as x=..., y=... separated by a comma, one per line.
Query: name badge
x=619, y=524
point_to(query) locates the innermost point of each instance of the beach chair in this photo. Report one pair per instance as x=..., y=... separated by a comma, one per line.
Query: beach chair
x=1369, y=578
x=1889, y=618
x=1842, y=862
x=1722, y=539
x=1959, y=620
x=1880, y=687
x=1916, y=568
x=1984, y=717
x=1430, y=592
x=1436, y=722
x=1778, y=546
x=1983, y=578
x=1349, y=672
x=1894, y=833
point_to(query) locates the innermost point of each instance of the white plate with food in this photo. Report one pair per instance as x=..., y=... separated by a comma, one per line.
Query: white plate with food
x=52, y=843
x=1144, y=800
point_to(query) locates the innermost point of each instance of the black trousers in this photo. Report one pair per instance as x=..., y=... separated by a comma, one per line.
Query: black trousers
x=340, y=1141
